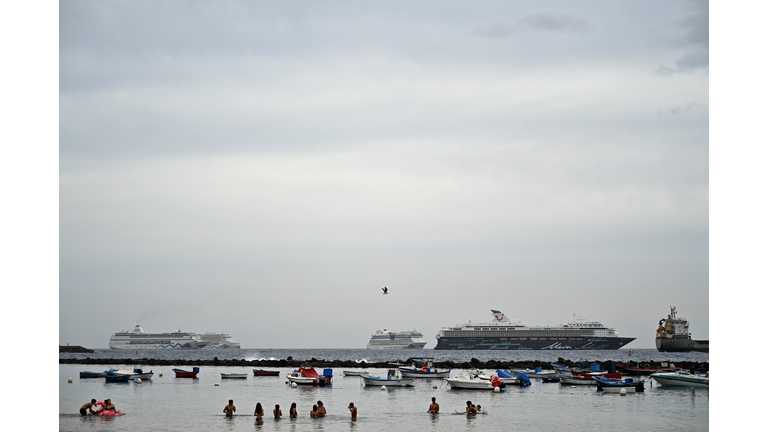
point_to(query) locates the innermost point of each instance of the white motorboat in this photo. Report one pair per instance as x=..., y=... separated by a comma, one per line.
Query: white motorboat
x=538, y=373
x=234, y=375
x=354, y=373
x=393, y=379
x=681, y=379
x=472, y=381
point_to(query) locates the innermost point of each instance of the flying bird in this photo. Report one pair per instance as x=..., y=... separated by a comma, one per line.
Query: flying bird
x=385, y=290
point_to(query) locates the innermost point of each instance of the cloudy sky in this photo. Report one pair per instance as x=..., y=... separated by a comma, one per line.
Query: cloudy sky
x=263, y=169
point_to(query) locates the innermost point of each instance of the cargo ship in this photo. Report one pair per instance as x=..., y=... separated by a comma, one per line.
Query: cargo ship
x=503, y=334
x=673, y=335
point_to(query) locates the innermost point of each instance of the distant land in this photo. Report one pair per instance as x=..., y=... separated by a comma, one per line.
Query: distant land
x=74, y=349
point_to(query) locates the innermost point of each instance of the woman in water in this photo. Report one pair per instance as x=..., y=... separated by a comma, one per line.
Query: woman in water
x=314, y=413
x=259, y=412
x=292, y=413
x=277, y=412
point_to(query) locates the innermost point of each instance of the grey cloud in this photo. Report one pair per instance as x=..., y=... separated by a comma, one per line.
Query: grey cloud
x=692, y=35
x=543, y=19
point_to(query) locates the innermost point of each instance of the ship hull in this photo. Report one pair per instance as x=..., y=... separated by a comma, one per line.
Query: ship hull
x=587, y=343
x=681, y=345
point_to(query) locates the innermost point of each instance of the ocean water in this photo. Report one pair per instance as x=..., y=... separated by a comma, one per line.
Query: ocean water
x=168, y=403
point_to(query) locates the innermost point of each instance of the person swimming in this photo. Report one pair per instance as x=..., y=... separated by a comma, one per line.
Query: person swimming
x=314, y=413
x=259, y=411
x=292, y=413
x=353, y=410
x=277, y=412
x=321, y=409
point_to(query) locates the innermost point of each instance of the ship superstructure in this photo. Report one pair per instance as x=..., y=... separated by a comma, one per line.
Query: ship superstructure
x=137, y=339
x=504, y=334
x=211, y=340
x=673, y=335
x=384, y=339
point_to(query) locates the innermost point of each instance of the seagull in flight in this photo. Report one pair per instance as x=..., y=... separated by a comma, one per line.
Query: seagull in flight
x=385, y=290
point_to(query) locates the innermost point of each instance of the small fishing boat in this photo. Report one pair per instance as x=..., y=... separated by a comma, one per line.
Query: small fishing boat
x=307, y=375
x=262, y=372
x=555, y=379
x=608, y=384
x=86, y=374
x=647, y=369
x=136, y=373
x=536, y=373
x=233, y=375
x=354, y=373
x=423, y=368
x=181, y=373
x=507, y=377
x=393, y=379
x=472, y=381
x=672, y=379
x=576, y=380
x=115, y=377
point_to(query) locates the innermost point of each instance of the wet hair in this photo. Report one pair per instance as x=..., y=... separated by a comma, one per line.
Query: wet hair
x=277, y=406
x=469, y=403
x=351, y=404
x=314, y=407
x=230, y=401
x=320, y=403
x=93, y=400
x=433, y=399
x=258, y=407
x=293, y=405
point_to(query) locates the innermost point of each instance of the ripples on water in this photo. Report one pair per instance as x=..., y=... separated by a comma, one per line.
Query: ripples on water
x=175, y=404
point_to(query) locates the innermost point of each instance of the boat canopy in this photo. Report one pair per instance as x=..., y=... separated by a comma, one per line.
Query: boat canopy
x=503, y=373
x=309, y=373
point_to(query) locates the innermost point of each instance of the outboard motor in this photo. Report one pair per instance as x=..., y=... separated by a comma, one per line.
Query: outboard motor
x=524, y=380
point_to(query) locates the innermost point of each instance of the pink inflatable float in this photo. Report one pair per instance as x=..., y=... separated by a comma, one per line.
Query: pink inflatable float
x=103, y=412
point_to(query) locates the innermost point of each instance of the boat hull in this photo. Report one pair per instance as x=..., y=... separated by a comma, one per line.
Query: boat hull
x=91, y=375
x=410, y=373
x=680, y=380
x=355, y=373
x=258, y=372
x=234, y=376
x=489, y=343
x=681, y=345
x=576, y=381
x=371, y=381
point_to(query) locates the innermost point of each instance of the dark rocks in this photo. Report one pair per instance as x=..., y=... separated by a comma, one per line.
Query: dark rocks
x=290, y=363
x=74, y=349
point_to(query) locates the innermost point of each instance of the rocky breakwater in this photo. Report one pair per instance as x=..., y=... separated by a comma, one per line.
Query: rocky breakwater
x=74, y=349
x=289, y=362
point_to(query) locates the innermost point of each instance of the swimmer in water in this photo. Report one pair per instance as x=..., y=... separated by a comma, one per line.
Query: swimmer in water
x=230, y=409
x=353, y=410
x=313, y=413
x=259, y=411
x=89, y=406
x=321, y=409
x=434, y=408
x=292, y=413
x=277, y=412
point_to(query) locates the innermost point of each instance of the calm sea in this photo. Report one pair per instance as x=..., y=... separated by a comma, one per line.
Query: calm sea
x=178, y=404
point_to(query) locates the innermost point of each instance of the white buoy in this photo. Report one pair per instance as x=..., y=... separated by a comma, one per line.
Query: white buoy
x=623, y=392
x=69, y=380
x=496, y=390
x=294, y=385
x=137, y=380
x=383, y=387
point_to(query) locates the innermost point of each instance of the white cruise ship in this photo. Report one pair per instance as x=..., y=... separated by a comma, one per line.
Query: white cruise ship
x=383, y=339
x=137, y=339
x=217, y=341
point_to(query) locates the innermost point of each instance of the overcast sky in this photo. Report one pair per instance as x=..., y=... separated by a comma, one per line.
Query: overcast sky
x=263, y=169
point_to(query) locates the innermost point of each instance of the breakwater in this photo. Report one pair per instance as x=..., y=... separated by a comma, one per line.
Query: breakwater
x=342, y=364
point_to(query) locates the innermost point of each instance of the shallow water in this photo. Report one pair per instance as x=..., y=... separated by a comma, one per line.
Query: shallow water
x=181, y=404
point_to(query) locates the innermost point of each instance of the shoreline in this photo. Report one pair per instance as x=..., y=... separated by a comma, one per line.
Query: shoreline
x=320, y=363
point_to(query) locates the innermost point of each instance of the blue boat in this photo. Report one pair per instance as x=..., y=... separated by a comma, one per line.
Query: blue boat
x=114, y=377
x=627, y=383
